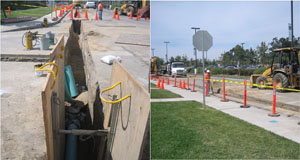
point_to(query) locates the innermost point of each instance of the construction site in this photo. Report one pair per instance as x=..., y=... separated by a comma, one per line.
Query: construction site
x=76, y=87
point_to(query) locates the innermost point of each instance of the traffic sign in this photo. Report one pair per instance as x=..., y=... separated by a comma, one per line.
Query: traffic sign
x=202, y=40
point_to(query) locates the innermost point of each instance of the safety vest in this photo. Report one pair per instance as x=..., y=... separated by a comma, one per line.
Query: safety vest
x=207, y=77
x=100, y=7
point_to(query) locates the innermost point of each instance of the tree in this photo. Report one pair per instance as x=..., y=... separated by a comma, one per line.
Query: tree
x=178, y=58
x=171, y=59
x=262, y=53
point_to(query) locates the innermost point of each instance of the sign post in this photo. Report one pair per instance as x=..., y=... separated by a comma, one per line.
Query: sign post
x=202, y=41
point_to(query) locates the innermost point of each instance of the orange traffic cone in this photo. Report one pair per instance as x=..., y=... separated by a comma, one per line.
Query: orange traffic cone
x=78, y=14
x=151, y=77
x=139, y=14
x=168, y=81
x=180, y=84
x=130, y=17
x=118, y=17
x=71, y=14
x=60, y=13
x=158, y=83
x=96, y=17
x=162, y=83
x=183, y=86
x=114, y=14
x=147, y=18
x=86, y=14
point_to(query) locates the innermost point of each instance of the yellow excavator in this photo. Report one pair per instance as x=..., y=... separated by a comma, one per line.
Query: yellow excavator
x=284, y=70
x=129, y=6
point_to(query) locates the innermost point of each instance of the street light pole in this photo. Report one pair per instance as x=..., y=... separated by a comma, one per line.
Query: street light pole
x=195, y=50
x=152, y=52
x=292, y=23
x=166, y=42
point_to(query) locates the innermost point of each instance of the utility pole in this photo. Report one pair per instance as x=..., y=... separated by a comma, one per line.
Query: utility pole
x=152, y=52
x=166, y=42
x=292, y=22
x=195, y=50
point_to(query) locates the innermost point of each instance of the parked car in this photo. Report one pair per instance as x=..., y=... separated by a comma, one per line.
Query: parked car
x=229, y=67
x=90, y=5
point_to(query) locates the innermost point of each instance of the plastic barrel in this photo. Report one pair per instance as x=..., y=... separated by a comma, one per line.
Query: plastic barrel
x=70, y=81
x=71, y=147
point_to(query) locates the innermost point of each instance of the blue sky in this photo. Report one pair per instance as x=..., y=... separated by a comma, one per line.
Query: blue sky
x=230, y=23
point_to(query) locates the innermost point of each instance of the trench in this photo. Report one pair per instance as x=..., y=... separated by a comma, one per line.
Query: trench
x=86, y=102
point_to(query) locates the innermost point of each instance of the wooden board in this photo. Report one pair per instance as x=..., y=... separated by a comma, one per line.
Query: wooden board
x=133, y=115
x=54, y=113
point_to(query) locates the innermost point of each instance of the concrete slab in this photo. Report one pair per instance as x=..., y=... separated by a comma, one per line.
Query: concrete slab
x=285, y=126
x=22, y=124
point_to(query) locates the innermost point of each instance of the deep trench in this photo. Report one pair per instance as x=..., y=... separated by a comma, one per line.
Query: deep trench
x=87, y=146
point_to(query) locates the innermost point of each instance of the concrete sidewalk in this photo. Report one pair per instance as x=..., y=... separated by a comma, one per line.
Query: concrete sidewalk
x=285, y=125
x=31, y=24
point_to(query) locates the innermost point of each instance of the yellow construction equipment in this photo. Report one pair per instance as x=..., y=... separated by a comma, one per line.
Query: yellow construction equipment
x=131, y=6
x=284, y=70
x=28, y=38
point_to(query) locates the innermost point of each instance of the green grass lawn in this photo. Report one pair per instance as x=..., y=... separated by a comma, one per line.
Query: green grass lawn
x=34, y=12
x=162, y=93
x=153, y=85
x=182, y=130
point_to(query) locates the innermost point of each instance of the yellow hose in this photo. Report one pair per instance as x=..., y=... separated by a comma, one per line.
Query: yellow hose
x=49, y=70
x=113, y=102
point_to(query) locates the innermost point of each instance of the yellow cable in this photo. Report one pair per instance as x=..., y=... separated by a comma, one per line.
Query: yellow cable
x=49, y=70
x=113, y=102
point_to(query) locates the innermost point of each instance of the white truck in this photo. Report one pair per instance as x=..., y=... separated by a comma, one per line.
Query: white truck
x=177, y=68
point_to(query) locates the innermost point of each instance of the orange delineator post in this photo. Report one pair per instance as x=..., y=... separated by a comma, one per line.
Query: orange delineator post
x=224, y=93
x=188, y=83
x=158, y=83
x=168, y=81
x=274, y=114
x=9, y=11
x=245, y=96
x=175, y=81
x=179, y=86
x=162, y=83
x=194, y=84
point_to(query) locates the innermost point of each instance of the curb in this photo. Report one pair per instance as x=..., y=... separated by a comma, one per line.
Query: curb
x=38, y=26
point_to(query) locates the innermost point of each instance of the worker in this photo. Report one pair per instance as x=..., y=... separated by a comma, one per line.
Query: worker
x=207, y=76
x=100, y=10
